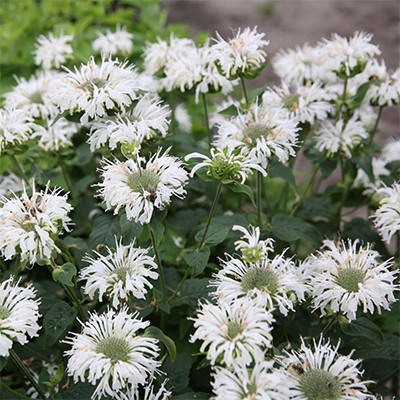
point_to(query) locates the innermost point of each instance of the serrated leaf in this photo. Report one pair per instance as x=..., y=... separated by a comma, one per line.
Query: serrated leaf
x=362, y=327
x=288, y=228
x=178, y=372
x=130, y=229
x=57, y=321
x=157, y=333
x=361, y=92
x=216, y=234
x=278, y=170
x=388, y=349
x=242, y=188
x=105, y=227
x=197, y=259
x=191, y=292
x=65, y=274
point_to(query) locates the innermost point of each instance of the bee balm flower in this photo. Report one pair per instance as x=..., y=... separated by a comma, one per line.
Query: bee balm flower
x=114, y=43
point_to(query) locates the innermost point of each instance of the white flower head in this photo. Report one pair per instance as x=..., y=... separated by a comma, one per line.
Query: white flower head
x=242, y=54
x=115, y=43
x=252, y=248
x=148, y=118
x=387, y=216
x=260, y=135
x=19, y=314
x=344, y=55
x=15, y=127
x=304, y=104
x=56, y=136
x=226, y=165
x=148, y=393
x=243, y=383
x=29, y=225
x=52, y=51
x=345, y=278
x=391, y=150
x=339, y=137
x=93, y=89
x=234, y=334
x=111, y=354
x=140, y=189
x=32, y=95
x=271, y=282
x=321, y=372
x=125, y=271
x=183, y=118
x=10, y=183
x=387, y=92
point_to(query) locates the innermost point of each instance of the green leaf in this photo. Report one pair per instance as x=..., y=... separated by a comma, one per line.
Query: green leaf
x=197, y=259
x=389, y=349
x=178, y=372
x=242, y=188
x=362, y=90
x=78, y=391
x=362, y=327
x=130, y=229
x=157, y=225
x=157, y=333
x=65, y=274
x=59, y=116
x=365, y=163
x=191, y=292
x=216, y=234
x=57, y=321
x=192, y=396
x=232, y=110
x=288, y=228
x=278, y=170
x=82, y=157
x=3, y=362
x=105, y=227
x=253, y=74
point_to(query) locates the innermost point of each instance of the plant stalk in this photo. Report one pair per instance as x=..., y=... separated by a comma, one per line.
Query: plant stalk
x=374, y=130
x=158, y=259
x=259, y=189
x=244, y=89
x=19, y=169
x=207, y=119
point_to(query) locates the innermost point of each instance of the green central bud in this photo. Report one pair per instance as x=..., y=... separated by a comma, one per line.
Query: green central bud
x=350, y=278
x=36, y=97
x=144, y=181
x=251, y=389
x=121, y=273
x=261, y=279
x=90, y=85
x=318, y=384
x=254, y=132
x=115, y=349
x=4, y=312
x=234, y=328
x=252, y=254
x=291, y=102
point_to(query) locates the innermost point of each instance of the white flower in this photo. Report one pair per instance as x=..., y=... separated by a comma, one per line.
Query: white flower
x=115, y=43
x=131, y=128
x=122, y=272
x=15, y=127
x=304, y=104
x=344, y=55
x=183, y=118
x=391, y=150
x=94, y=89
x=53, y=51
x=345, y=278
x=234, y=334
x=19, y=313
x=33, y=96
x=387, y=216
x=339, y=137
x=226, y=165
x=10, y=183
x=128, y=185
x=259, y=134
x=254, y=249
x=242, y=54
x=257, y=383
x=29, y=226
x=321, y=373
x=387, y=93
x=111, y=354
x=271, y=282
x=302, y=65
x=218, y=116
x=148, y=394
x=56, y=136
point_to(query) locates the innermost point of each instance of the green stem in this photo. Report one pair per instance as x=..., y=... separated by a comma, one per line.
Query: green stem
x=329, y=325
x=25, y=371
x=244, y=89
x=158, y=259
x=213, y=207
x=344, y=194
x=258, y=188
x=180, y=285
x=207, y=120
x=65, y=174
x=19, y=169
x=37, y=355
x=378, y=118
x=344, y=95
x=13, y=392
x=309, y=185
